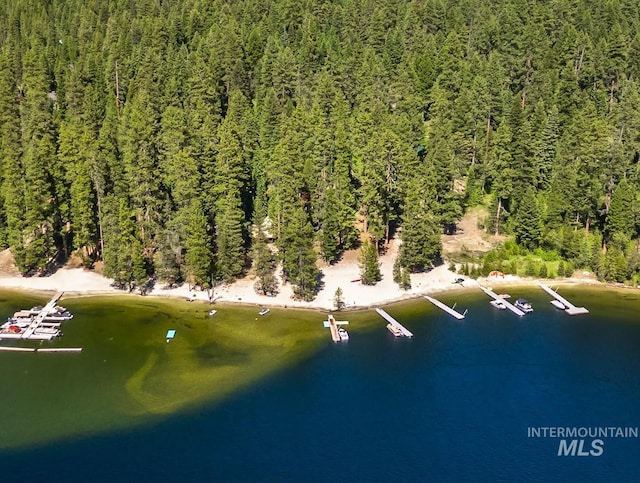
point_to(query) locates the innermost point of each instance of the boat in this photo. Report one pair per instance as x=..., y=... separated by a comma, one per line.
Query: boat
x=263, y=312
x=504, y=295
x=58, y=314
x=524, y=305
x=343, y=334
x=498, y=304
x=395, y=330
x=39, y=323
x=557, y=304
x=213, y=312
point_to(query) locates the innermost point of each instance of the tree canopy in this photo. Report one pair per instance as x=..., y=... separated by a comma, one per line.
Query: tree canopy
x=152, y=135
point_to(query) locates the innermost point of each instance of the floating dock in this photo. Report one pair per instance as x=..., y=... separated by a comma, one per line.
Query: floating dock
x=61, y=349
x=333, y=324
x=394, y=322
x=30, y=324
x=39, y=319
x=17, y=349
x=507, y=304
x=450, y=310
x=569, y=307
x=33, y=349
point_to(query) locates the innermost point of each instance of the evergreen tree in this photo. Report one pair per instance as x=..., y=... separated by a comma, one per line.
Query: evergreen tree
x=421, y=244
x=230, y=237
x=369, y=265
x=620, y=222
x=38, y=139
x=264, y=264
x=338, y=300
x=198, y=256
x=527, y=222
x=13, y=183
x=298, y=256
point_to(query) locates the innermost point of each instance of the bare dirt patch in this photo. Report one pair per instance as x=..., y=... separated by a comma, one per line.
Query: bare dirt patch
x=469, y=237
x=8, y=263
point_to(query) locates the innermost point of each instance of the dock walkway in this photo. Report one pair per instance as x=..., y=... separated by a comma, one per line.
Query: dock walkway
x=507, y=304
x=332, y=324
x=394, y=322
x=569, y=307
x=450, y=310
x=334, y=329
x=39, y=319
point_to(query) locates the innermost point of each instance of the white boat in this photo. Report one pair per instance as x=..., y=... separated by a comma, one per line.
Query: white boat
x=58, y=314
x=263, y=312
x=343, y=334
x=558, y=305
x=504, y=295
x=524, y=305
x=498, y=304
x=213, y=312
x=395, y=330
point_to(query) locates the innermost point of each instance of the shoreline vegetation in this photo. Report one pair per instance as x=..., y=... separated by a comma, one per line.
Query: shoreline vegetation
x=169, y=140
x=355, y=295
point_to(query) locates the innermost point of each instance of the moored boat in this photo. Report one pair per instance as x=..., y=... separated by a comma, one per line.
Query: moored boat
x=213, y=312
x=343, y=334
x=394, y=329
x=524, y=305
x=263, y=312
x=558, y=305
x=498, y=304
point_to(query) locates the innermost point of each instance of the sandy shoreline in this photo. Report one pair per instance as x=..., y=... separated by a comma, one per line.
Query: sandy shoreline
x=77, y=281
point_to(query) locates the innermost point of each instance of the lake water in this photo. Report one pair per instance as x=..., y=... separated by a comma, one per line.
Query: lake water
x=240, y=397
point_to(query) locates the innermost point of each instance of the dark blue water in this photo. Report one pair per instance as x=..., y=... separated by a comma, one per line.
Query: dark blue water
x=452, y=404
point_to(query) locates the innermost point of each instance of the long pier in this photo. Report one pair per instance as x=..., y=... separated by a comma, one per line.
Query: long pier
x=394, y=322
x=507, y=304
x=450, y=310
x=569, y=307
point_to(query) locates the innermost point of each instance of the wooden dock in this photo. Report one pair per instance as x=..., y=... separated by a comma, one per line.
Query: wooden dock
x=334, y=329
x=39, y=319
x=569, y=307
x=332, y=324
x=450, y=310
x=394, y=322
x=507, y=304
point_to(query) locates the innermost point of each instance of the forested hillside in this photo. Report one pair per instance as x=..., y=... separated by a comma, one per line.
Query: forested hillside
x=153, y=134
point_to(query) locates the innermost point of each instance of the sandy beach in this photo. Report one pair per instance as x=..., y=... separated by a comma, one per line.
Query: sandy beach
x=345, y=275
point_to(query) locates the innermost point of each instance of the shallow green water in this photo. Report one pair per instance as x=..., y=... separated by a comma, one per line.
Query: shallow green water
x=127, y=374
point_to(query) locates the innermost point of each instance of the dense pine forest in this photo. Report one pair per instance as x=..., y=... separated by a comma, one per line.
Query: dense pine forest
x=196, y=139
